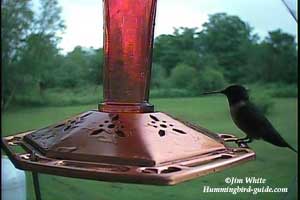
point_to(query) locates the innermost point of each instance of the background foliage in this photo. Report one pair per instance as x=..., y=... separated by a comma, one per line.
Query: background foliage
x=185, y=63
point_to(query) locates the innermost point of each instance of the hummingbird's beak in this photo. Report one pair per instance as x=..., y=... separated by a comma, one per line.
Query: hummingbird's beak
x=213, y=92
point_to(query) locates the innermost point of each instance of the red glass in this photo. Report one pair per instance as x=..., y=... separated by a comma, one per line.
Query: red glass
x=128, y=37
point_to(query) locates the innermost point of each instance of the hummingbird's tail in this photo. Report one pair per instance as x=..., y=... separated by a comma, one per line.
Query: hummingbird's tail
x=277, y=140
x=293, y=149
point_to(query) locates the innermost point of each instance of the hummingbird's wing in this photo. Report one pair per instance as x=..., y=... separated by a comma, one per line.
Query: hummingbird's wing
x=250, y=120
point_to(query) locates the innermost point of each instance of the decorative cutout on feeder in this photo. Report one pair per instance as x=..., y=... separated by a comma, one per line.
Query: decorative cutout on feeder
x=125, y=140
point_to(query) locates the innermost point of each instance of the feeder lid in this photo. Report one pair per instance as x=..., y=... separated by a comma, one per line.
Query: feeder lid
x=150, y=148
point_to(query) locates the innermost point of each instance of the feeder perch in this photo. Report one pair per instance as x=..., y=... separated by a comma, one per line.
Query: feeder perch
x=125, y=140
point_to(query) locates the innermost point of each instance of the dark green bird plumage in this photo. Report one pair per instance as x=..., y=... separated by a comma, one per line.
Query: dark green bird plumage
x=248, y=118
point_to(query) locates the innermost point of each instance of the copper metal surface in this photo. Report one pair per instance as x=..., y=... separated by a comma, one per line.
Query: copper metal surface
x=125, y=140
x=149, y=148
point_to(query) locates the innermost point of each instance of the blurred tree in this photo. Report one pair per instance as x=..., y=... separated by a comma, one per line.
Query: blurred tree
x=74, y=69
x=254, y=62
x=210, y=76
x=182, y=76
x=191, y=58
x=188, y=61
x=181, y=47
x=29, y=44
x=39, y=60
x=48, y=21
x=186, y=38
x=16, y=18
x=210, y=79
x=209, y=61
x=279, y=62
x=80, y=67
x=165, y=52
x=43, y=41
x=225, y=37
x=95, y=66
x=158, y=76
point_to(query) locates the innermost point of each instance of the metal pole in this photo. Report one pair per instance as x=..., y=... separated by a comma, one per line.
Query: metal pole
x=290, y=10
x=36, y=185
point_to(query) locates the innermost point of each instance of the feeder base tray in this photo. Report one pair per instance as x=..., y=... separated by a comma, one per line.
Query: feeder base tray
x=147, y=148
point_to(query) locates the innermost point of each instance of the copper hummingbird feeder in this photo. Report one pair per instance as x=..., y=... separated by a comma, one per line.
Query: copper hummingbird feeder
x=125, y=140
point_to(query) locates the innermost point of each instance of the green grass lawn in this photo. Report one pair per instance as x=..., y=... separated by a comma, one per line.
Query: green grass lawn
x=277, y=165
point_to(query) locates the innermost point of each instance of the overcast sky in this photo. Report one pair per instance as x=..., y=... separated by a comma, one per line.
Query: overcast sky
x=84, y=18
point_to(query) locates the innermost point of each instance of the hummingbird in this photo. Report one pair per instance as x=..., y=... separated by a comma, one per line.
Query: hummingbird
x=249, y=119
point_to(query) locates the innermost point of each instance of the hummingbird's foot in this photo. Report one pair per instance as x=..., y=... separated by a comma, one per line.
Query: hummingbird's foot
x=227, y=137
x=243, y=142
x=243, y=145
